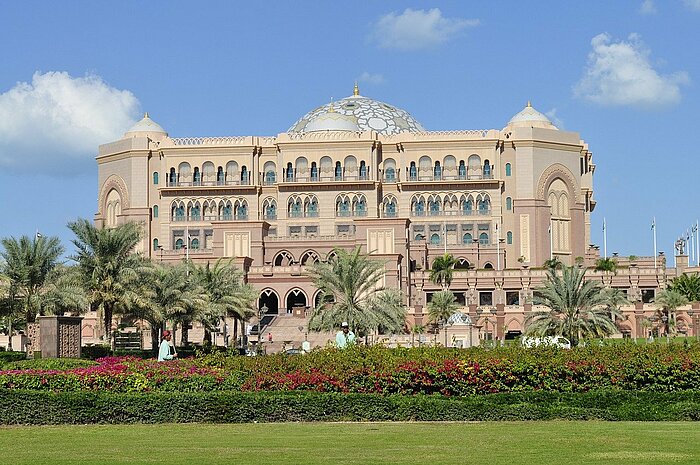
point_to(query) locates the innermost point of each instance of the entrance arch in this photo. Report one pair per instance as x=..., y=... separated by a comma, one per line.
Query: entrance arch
x=269, y=298
x=296, y=298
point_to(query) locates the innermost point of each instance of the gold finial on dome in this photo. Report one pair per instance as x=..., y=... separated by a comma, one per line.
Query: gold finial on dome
x=330, y=107
x=145, y=115
x=356, y=90
x=529, y=104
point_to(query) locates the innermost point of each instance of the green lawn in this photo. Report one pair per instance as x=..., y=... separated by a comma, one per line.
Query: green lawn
x=356, y=443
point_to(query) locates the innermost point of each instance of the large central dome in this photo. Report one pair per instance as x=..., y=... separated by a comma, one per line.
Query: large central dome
x=357, y=113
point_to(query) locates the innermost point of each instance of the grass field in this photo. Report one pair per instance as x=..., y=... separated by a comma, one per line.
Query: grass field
x=356, y=443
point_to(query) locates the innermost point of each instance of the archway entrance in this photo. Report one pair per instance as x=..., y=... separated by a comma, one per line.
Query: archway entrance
x=269, y=299
x=296, y=299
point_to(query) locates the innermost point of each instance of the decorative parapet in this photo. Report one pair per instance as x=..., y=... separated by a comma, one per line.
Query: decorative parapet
x=231, y=140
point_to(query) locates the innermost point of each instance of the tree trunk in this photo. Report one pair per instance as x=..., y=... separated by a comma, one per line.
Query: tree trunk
x=185, y=334
x=108, y=322
x=235, y=331
x=155, y=338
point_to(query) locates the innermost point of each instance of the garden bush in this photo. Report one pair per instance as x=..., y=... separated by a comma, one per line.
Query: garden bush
x=8, y=357
x=378, y=370
x=32, y=407
x=59, y=364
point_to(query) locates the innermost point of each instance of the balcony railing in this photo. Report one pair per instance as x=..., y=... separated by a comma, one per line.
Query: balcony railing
x=224, y=217
x=296, y=214
x=345, y=214
x=452, y=213
x=297, y=178
x=209, y=183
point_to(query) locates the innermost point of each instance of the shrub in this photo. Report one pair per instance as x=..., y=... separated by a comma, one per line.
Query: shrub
x=49, y=364
x=31, y=407
x=7, y=357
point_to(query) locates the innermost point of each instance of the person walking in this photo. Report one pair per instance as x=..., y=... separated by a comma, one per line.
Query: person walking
x=164, y=350
x=345, y=337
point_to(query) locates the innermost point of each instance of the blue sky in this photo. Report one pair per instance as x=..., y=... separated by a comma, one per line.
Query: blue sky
x=624, y=74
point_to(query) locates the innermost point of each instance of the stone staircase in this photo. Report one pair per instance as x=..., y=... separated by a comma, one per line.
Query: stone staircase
x=286, y=334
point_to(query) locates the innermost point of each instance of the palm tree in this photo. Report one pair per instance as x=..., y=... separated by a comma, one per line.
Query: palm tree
x=668, y=301
x=553, y=263
x=349, y=284
x=26, y=264
x=606, y=264
x=109, y=267
x=442, y=269
x=63, y=292
x=441, y=307
x=577, y=308
x=227, y=293
x=688, y=285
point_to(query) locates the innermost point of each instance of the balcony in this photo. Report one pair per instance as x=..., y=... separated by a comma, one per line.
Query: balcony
x=452, y=213
x=347, y=214
x=210, y=183
x=297, y=214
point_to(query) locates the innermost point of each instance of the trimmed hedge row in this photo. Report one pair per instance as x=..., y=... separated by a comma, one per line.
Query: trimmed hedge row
x=8, y=357
x=38, y=408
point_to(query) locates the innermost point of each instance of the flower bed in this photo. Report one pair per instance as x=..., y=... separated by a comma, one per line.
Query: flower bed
x=378, y=370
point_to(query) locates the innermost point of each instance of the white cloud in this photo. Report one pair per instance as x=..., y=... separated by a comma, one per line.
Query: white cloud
x=371, y=78
x=417, y=29
x=619, y=73
x=692, y=4
x=552, y=115
x=55, y=123
x=647, y=7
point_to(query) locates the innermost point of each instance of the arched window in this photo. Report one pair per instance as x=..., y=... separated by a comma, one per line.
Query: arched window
x=434, y=207
x=194, y=244
x=487, y=169
x=390, y=174
x=196, y=213
x=244, y=175
x=338, y=171
x=413, y=171
x=197, y=178
x=270, y=177
x=467, y=238
x=509, y=237
x=419, y=207
x=179, y=244
x=155, y=244
x=360, y=207
x=227, y=213
x=390, y=208
x=271, y=211
x=507, y=169
x=295, y=208
x=419, y=237
x=509, y=203
x=435, y=239
x=488, y=266
x=155, y=211
x=342, y=207
x=208, y=173
x=437, y=171
x=484, y=206
x=363, y=170
x=270, y=171
x=242, y=211
x=155, y=177
x=179, y=213
x=314, y=171
x=290, y=172
x=312, y=208
x=173, y=177
x=220, y=176
x=474, y=167
x=484, y=238
x=462, y=170
x=468, y=207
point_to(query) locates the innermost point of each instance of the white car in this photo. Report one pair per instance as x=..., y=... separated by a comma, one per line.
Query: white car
x=554, y=341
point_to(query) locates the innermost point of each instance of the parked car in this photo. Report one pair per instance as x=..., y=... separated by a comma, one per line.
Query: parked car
x=554, y=341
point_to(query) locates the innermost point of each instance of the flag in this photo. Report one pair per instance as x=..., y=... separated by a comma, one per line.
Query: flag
x=653, y=223
x=603, y=224
x=38, y=235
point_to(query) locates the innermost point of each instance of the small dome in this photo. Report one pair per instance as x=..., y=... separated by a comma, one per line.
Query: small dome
x=459, y=318
x=364, y=114
x=147, y=126
x=529, y=117
x=332, y=121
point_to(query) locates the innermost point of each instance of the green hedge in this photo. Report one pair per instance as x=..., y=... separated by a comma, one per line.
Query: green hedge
x=8, y=357
x=49, y=364
x=31, y=407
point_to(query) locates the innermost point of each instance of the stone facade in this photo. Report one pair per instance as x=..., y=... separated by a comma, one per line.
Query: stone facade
x=363, y=173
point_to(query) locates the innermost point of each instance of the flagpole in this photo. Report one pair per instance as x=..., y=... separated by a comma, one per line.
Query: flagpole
x=653, y=228
x=605, y=240
x=498, y=248
x=551, y=241
x=697, y=242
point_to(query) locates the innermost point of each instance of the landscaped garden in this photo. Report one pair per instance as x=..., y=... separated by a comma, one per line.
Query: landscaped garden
x=618, y=382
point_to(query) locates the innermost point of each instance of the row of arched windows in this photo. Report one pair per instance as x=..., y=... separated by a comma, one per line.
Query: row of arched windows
x=450, y=204
x=207, y=175
x=208, y=210
x=324, y=170
x=327, y=170
x=285, y=258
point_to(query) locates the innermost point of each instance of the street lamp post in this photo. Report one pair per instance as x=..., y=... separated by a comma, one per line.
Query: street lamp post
x=487, y=321
x=261, y=313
